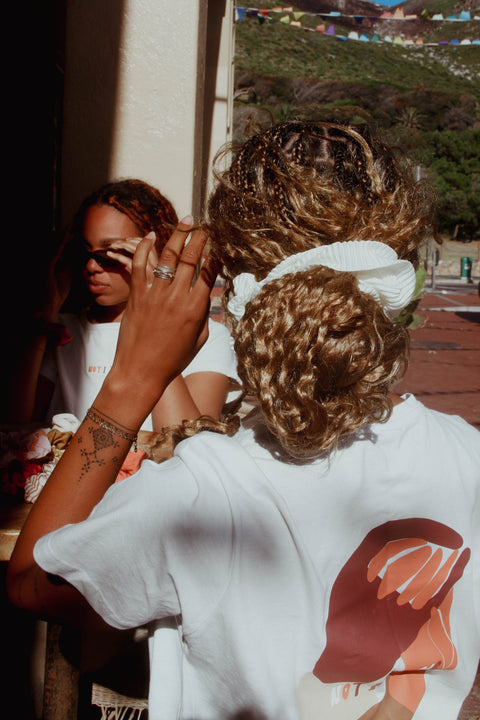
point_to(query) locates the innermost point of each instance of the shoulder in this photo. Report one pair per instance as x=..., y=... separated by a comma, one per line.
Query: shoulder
x=216, y=355
x=443, y=446
x=434, y=421
x=218, y=331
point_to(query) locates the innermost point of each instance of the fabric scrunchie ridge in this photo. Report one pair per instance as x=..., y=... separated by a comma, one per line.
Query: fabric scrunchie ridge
x=379, y=272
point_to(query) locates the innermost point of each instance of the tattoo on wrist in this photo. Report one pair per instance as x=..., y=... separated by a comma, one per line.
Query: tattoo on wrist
x=104, y=436
x=108, y=423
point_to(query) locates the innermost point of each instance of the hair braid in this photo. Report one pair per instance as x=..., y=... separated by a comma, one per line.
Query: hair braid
x=319, y=355
x=299, y=185
x=143, y=204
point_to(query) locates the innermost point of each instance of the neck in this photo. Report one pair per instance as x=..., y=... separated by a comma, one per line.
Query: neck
x=106, y=314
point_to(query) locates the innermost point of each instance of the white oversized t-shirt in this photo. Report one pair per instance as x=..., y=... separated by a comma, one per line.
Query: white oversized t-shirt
x=301, y=590
x=79, y=368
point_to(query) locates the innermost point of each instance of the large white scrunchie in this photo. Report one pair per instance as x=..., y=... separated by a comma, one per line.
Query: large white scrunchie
x=390, y=281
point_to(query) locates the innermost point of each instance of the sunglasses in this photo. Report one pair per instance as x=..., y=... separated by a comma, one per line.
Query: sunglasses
x=103, y=259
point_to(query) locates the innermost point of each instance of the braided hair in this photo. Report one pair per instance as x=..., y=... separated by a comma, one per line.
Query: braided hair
x=302, y=184
x=143, y=204
x=318, y=355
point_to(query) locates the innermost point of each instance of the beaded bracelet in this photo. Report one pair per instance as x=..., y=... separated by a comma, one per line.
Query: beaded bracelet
x=109, y=424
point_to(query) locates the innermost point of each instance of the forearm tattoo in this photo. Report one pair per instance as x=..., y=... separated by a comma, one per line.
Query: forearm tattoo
x=104, y=436
x=102, y=439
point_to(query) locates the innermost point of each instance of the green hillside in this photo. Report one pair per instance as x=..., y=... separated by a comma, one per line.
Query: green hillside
x=275, y=48
x=425, y=98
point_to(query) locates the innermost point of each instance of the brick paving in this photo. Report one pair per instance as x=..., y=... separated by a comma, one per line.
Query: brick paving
x=444, y=371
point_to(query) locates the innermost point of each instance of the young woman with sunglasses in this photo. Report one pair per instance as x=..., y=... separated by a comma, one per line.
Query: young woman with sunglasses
x=71, y=353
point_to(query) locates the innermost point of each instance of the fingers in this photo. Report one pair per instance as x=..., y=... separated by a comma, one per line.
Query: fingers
x=175, y=244
x=182, y=254
x=141, y=274
x=126, y=246
x=124, y=252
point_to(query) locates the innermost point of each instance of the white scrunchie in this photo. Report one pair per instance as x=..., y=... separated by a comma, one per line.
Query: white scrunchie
x=65, y=422
x=390, y=281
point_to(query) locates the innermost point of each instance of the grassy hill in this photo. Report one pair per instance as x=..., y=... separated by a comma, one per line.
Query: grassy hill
x=424, y=98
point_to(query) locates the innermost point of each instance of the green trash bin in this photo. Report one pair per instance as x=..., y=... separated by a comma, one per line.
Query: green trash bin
x=466, y=267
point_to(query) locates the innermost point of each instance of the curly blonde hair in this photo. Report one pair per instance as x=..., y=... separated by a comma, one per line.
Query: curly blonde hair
x=318, y=354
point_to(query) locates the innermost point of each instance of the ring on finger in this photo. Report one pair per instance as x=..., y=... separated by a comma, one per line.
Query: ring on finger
x=164, y=272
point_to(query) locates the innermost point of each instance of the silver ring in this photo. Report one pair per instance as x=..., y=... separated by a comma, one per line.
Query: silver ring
x=164, y=272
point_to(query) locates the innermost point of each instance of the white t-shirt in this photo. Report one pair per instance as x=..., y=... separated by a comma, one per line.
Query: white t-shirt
x=300, y=588
x=79, y=368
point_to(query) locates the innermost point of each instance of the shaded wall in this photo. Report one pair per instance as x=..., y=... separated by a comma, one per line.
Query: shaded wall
x=140, y=95
x=101, y=90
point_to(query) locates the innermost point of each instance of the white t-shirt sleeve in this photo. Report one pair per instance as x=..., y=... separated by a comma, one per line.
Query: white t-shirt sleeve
x=146, y=547
x=49, y=367
x=217, y=354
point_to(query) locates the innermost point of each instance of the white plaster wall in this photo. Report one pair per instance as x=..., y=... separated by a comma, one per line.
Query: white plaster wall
x=130, y=96
x=154, y=124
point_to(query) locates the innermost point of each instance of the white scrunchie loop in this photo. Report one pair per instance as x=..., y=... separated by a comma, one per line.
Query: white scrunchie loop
x=379, y=272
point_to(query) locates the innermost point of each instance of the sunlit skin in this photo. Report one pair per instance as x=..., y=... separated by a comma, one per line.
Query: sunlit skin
x=107, y=229
x=104, y=227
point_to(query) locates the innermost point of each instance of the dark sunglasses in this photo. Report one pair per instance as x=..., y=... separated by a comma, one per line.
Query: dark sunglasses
x=105, y=261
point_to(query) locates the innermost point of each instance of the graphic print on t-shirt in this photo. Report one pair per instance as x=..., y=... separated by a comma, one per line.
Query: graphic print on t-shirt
x=388, y=622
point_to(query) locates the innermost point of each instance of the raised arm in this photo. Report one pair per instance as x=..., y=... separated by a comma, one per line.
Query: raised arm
x=186, y=398
x=164, y=324
x=30, y=393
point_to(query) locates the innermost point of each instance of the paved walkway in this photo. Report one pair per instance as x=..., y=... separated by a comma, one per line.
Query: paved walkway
x=444, y=371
